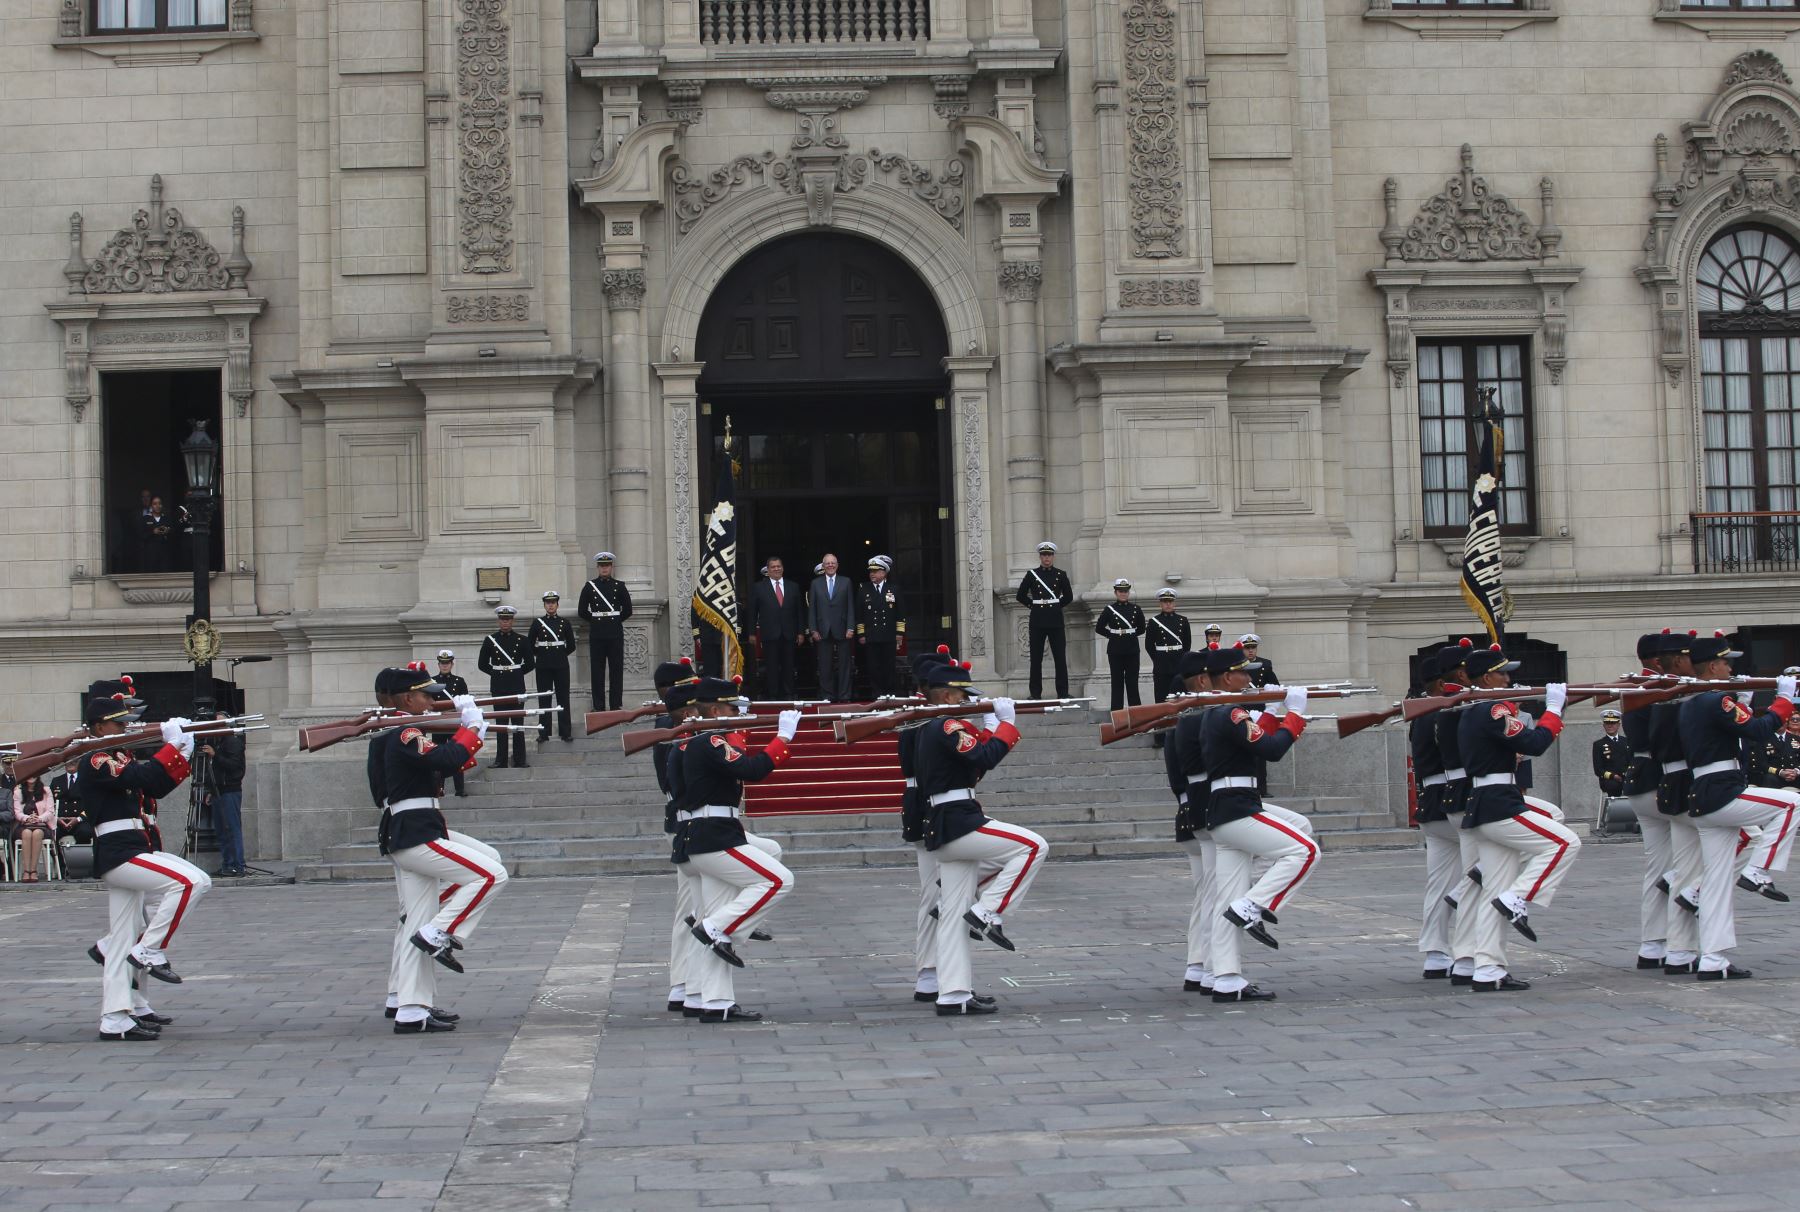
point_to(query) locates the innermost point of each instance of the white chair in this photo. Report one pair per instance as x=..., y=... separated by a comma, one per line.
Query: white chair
x=49, y=864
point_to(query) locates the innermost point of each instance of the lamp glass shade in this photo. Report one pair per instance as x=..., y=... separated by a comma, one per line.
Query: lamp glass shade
x=201, y=455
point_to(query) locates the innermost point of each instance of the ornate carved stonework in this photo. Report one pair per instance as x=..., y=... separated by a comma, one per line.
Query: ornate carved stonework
x=204, y=335
x=816, y=101
x=484, y=137
x=1020, y=280
x=1153, y=130
x=487, y=309
x=158, y=254
x=950, y=96
x=681, y=442
x=1467, y=221
x=818, y=174
x=974, y=427
x=1159, y=292
x=637, y=651
x=1476, y=303
x=1755, y=65
x=623, y=288
x=684, y=101
x=68, y=19
x=943, y=192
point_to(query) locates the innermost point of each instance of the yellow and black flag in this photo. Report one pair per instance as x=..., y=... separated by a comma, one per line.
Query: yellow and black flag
x=1483, y=562
x=715, y=606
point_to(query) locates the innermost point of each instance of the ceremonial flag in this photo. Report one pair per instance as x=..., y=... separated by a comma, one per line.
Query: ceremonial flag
x=1482, y=562
x=715, y=592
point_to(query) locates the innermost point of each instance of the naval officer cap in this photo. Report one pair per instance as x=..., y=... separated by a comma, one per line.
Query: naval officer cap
x=1046, y=548
x=1249, y=637
x=1165, y=595
x=444, y=654
x=1214, y=629
x=1121, y=583
x=1611, y=715
x=882, y=562
x=550, y=595
x=505, y=612
x=603, y=557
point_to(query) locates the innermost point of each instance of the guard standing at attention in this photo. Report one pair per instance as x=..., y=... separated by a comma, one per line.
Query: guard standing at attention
x=1045, y=591
x=506, y=657
x=880, y=625
x=1122, y=623
x=1612, y=754
x=605, y=604
x=553, y=642
x=1262, y=669
x=1777, y=763
x=447, y=678
x=1166, y=638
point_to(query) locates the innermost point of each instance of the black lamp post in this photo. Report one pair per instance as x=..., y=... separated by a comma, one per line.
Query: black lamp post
x=201, y=455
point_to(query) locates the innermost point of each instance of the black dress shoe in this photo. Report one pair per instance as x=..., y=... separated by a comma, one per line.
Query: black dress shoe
x=761, y=936
x=985, y=999
x=1763, y=889
x=1682, y=902
x=145, y=1024
x=919, y=996
x=1195, y=987
x=736, y=1014
x=1520, y=921
x=1505, y=984
x=989, y=930
x=497, y=766
x=443, y=1015
x=720, y=947
x=972, y=1006
x=1436, y=974
x=227, y=873
x=441, y=954
x=1474, y=874
x=132, y=1033
x=1662, y=885
x=427, y=1025
x=94, y=954
x=1458, y=978
x=161, y=972
x=152, y=1019
x=1730, y=972
x=688, y=1011
x=1646, y=964
x=676, y=1007
x=1249, y=993
x=1256, y=930
x=1687, y=969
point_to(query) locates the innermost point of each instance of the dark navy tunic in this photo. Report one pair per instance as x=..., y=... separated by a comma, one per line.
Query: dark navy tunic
x=1234, y=742
x=951, y=755
x=1492, y=738
x=714, y=768
x=110, y=786
x=1644, y=774
x=1190, y=762
x=415, y=766
x=1713, y=728
x=1428, y=762
x=1666, y=750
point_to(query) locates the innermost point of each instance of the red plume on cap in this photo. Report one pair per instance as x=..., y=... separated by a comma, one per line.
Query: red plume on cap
x=967, y=665
x=1465, y=642
x=1213, y=644
x=118, y=698
x=943, y=650
x=1717, y=634
x=687, y=660
x=1665, y=631
x=1493, y=648
x=737, y=679
x=416, y=666
x=1694, y=635
x=126, y=678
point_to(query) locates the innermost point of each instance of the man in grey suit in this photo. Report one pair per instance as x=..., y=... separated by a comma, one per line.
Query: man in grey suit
x=831, y=617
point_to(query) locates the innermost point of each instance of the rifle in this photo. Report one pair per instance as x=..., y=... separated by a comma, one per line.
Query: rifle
x=1632, y=700
x=637, y=742
x=864, y=725
x=46, y=744
x=1412, y=709
x=1130, y=720
x=1350, y=725
x=600, y=721
x=136, y=738
x=323, y=736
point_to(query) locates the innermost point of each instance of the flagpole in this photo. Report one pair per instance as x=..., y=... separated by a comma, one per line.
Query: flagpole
x=1484, y=563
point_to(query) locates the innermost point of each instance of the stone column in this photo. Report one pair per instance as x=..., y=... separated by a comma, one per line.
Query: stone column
x=974, y=505
x=628, y=426
x=680, y=398
x=1022, y=404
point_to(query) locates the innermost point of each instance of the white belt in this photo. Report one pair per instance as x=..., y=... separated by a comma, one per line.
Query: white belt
x=1182, y=799
x=912, y=782
x=1434, y=780
x=725, y=811
x=950, y=797
x=1672, y=767
x=1493, y=780
x=1196, y=778
x=604, y=614
x=1640, y=753
x=1223, y=784
x=1727, y=767
x=106, y=827
x=417, y=802
x=1455, y=776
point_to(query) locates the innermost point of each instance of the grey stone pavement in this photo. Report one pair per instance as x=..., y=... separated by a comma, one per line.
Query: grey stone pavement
x=1100, y=1086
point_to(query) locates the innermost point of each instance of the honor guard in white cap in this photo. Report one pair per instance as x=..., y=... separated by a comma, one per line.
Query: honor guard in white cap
x=880, y=625
x=606, y=604
x=1121, y=621
x=446, y=677
x=553, y=643
x=1044, y=591
x=1166, y=637
x=1612, y=754
x=506, y=657
x=1262, y=670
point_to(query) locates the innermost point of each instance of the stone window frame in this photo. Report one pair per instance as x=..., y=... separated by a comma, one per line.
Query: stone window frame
x=158, y=48
x=1729, y=24
x=161, y=25
x=1462, y=21
x=1528, y=528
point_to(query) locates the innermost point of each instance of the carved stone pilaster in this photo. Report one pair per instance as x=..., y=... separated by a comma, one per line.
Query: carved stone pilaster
x=76, y=393
x=68, y=19
x=240, y=16
x=484, y=195
x=1153, y=131
x=75, y=268
x=623, y=288
x=1021, y=280
x=685, y=104
x=1399, y=339
x=973, y=422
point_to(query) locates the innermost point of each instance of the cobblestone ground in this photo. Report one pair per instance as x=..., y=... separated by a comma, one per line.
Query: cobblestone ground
x=1101, y=1086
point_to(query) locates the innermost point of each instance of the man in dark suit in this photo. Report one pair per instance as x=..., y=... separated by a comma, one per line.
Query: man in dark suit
x=831, y=618
x=775, y=615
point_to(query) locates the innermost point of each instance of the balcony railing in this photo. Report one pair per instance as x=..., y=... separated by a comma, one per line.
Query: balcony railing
x=813, y=22
x=1746, y=542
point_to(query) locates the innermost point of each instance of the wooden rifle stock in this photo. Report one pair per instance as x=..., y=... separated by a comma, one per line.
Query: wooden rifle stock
x=1139, y=718
x=861, y=727
x=637, y=742
x=1350, y=725
x=46, y=744
x=85, y=745
x=1633, y=700
x=322, y=736
x=600, y=721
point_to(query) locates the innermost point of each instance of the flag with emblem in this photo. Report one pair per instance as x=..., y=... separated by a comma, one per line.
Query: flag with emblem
x=1483, y=560
x=715, y=606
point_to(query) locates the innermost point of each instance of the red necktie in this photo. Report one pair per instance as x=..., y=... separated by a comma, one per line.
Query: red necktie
x=778, y=598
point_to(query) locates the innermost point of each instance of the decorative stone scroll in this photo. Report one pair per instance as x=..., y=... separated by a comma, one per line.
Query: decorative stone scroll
x=158, y=254
x=484, y=198
x=1153, y=130
x=487, y=309
x=1021, y=280
x=814, y=173
x=1159, y=292
x=1468, y=221
x=623, y=288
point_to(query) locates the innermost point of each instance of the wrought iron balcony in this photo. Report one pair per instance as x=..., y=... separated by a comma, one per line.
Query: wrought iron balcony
x=813, y=22
x=1746, y=542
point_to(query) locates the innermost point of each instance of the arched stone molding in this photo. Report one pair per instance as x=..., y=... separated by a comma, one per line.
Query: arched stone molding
x=1740, y=163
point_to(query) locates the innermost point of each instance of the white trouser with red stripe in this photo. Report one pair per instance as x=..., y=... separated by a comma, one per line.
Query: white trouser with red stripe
x=1773, y=810
x=686, y=956
x=172, y=878
x=1528, y=854
x=454, y=885
x=738, y=888
x=409, y=886
x=1443, y=869
x=1274, y=833
x=1653, y=905
x=925, y=926
x=989, y=870
x=1467, y=893
x=1203, y=857
x=1685, y=869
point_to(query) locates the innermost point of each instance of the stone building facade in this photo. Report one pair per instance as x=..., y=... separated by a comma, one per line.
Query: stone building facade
x=1199, y=289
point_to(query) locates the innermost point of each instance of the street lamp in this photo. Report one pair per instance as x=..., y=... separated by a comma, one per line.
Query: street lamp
x=201, y=456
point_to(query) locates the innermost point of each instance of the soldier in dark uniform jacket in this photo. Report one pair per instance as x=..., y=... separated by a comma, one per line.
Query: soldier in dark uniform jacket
x=109, y=784
x=912, y=830
x=1233, y=739
x=1167, y=636
x=605, y=604
x=1186, y=766
x=1262, y=669
x=952, y=756
x=506, y=657
x=1044, y=591
x=1714, y=726
x=1122, y=623
x=1525, y=852
x=1467, y=887
x=1612, y=755
x=453, y=685
x=880, y=625
x=553, y=641
x=667, y=677
x=1641, y=778
x=739, y=883
x=1681, y=881
x=1443, y=845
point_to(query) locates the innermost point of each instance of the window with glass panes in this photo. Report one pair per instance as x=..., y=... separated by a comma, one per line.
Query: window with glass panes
x=157, y=16
x=1449, y=374
x=1458, y=3
x=1752, y=5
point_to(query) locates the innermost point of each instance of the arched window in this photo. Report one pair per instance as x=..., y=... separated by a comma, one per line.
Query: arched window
x=1748, y=289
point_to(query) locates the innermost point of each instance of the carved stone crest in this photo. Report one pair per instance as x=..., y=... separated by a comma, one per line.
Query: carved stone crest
x=1153, y=130
x=1755, y=65
x=818, y=174
x=486, y=309
x=158, y=254
x=1468, y=221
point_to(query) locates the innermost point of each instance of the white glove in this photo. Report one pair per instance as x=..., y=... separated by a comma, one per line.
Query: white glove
x=471, y=714
x=463, y=702
x=1295, y=702
x=172, y=734
x=1746, y=696
x=989, y=722
x=743, y=707
x=1556, y=697
x=1004, y=711
x=1786, y=685
x=788, y=725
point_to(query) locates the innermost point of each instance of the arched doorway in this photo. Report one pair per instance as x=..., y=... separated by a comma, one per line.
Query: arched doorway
x=825, y=352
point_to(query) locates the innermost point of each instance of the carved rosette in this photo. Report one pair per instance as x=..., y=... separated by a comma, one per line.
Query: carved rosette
x=487, y=309
x=1020, y=281
x=623, y=288
x=484, y=137
x=1153, y=130
x=1159, y=292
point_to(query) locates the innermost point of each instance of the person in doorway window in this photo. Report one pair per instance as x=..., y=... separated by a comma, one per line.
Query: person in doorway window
x=156, y=531
x=832, y=621
x=775, y=620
